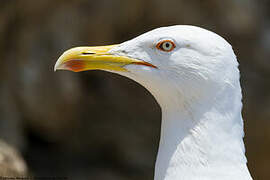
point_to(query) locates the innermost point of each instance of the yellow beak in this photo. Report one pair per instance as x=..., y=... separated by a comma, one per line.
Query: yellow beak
x=94, y=58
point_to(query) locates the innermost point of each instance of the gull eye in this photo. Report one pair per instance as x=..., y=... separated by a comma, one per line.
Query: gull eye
x=166, y=45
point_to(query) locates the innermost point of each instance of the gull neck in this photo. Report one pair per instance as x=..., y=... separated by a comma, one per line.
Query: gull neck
x=202, y=139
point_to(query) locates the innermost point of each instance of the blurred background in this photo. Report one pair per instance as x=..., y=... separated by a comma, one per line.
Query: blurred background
x=96, y=125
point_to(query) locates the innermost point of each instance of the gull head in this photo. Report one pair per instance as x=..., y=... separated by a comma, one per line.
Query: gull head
x=186, y=61
x=193, y=74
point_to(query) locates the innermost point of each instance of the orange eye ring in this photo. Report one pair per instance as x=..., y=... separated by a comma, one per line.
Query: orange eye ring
x=165, y=45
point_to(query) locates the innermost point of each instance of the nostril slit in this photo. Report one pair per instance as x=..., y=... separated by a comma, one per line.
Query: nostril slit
x=88, y=53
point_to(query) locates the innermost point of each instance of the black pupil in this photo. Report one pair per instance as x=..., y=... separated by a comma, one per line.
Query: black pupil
x=167, y=45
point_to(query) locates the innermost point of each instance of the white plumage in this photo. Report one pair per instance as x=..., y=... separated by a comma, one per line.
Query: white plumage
x=197, y=86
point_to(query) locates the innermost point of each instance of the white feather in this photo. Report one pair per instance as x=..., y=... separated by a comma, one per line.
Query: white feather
x=197, y=86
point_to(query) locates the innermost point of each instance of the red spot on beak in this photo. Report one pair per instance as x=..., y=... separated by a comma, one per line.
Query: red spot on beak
x=74, y=65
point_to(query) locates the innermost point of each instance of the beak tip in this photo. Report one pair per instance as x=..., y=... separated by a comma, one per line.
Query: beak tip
x=57, y=65
x=55, y=68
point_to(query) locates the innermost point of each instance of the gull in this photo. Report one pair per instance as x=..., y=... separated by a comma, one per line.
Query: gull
x=193, y=75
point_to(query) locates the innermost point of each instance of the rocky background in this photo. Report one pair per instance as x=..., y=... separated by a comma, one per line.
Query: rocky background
x=96, y=125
